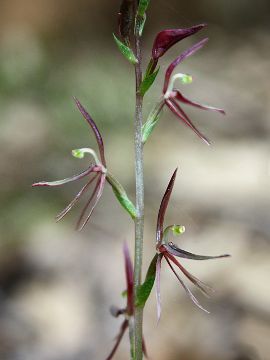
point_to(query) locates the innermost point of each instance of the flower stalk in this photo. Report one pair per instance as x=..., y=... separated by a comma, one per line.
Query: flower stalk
x=139, y=176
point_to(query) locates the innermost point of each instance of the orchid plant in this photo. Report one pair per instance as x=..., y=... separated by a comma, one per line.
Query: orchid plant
x=131, y=22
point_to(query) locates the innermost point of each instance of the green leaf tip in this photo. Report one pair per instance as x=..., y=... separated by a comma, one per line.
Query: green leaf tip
x=148, y=81
x=151, y=121
x=139, y=24
x=121, y=195
x=145, y=289
x=143, y=5
x=126, y=51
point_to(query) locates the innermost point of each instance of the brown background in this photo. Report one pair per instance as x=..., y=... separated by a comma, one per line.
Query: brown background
x=56, y=285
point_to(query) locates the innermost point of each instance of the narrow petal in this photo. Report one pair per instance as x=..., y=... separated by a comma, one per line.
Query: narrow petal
x=67, y=180
x=158, y=297
x=188, y=291
x=163, y=207
x=95, y=130
x=183, y=99
x=205, y=288
x=119, y=337
x=75, y=200
x=176, y=251
x=129, y=279
x=179, y=112
x=95, y=195
x=167, y=38
x=179, y=59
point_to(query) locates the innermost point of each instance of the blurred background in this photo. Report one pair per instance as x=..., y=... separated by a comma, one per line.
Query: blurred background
x=56, y=285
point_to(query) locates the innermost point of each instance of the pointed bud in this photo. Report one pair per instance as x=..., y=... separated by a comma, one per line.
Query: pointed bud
x=167, y=38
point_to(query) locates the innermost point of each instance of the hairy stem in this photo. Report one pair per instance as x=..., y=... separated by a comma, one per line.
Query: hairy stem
x=139, y=221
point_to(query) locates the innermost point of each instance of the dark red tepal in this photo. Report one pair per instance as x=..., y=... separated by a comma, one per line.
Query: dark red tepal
x=167, y=38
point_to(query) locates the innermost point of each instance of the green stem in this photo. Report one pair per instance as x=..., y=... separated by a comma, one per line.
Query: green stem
x=139, y=221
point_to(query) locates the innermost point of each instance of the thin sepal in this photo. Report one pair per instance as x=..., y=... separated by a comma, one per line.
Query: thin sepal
x=181, y=58
x=179, y=112
x=94, y=127
x=180, y=97
x=186, y=288
x=163, y=208
x=76, y=199
x=205, y=288
x=67, y=180
x=91, y=203
x=126, y=51
x=123, y=328
x=176, y=251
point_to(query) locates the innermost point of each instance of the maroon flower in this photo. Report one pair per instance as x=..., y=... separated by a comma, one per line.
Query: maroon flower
x=167, y=38
x=173, y=97
x=95, y=173
x=128, y=311
x=169, y=251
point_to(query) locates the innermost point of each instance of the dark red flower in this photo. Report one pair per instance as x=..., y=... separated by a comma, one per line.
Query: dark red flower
x=167, y=38
x=95, y=173
x=173, y=97
x=169, y=251
x=128, y=311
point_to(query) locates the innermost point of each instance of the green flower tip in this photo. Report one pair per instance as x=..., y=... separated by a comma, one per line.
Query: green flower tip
x=78, y=153
x=178, y=230
x=186, y=79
